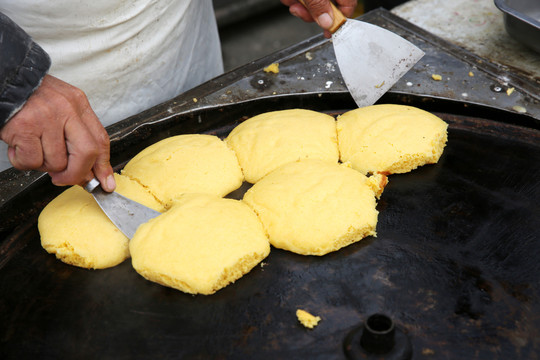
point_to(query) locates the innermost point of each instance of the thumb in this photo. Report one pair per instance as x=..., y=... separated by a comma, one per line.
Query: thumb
x=104, y=173
x=321, y=11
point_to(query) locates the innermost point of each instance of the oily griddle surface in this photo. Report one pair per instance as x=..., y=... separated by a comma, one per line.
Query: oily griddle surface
x=456, y=264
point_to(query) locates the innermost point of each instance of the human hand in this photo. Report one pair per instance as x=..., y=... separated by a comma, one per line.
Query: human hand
x=320, y=11
x=56, y=131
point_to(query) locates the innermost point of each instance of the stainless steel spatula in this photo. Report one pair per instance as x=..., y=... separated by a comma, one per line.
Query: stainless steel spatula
x=371, y=59
x=125, y=213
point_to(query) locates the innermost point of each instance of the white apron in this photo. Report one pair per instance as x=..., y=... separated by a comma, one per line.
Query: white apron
x=127, y=56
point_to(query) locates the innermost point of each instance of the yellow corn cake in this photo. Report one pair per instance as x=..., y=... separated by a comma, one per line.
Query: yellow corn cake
x=74, y=228
x=390, y=138
x=200, y=245
x=313, y=207
x=186, y=164
x=269, y=140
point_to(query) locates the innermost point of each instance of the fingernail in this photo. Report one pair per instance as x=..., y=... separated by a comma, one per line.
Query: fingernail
x=111, y=184
x=325, y=21
x=11, y=154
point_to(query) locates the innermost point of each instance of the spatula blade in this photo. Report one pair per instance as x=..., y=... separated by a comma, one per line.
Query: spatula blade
x=371, y=59
x=125, y=213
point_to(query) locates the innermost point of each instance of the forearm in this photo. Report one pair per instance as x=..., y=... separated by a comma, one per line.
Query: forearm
x=23, y=64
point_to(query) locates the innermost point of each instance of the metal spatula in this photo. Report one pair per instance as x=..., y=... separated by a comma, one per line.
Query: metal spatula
x=371, y=59
x=125, y=213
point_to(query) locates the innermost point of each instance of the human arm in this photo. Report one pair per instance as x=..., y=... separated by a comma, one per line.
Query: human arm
x=47, y=123
x=319, y=11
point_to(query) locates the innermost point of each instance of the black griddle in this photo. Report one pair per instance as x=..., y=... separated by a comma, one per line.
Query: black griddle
x=455, y=264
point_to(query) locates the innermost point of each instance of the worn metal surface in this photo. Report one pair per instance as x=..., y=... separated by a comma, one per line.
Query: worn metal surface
x=454, y=263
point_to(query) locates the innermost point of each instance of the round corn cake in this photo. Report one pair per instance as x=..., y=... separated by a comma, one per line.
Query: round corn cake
x=200, y=245
x=74, y=228
x=390, y=139
x=186, y=164
x=313, y=207
x=269, y=140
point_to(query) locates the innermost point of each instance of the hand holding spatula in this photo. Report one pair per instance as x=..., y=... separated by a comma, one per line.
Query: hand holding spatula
x=371, y=59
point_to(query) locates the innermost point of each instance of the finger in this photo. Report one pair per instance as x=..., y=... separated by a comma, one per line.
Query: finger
x=55, y=156
x=52, y=108
x=102, y=168
x=321, y=12
x=300, y=12
x=87, y=142
x=25, y=153
x=24, y=145
x=82, y=154
x=104, y=173
x=347, y=7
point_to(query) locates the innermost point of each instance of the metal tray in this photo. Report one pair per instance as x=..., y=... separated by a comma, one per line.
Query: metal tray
x=522, y=20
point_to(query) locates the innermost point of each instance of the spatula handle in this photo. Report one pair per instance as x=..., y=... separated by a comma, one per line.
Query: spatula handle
x=91, y=185
x=339, y=18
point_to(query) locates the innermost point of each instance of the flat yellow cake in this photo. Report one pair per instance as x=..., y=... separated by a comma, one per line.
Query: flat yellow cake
x=269, y=140
x=186, y=164
x=200, y=245
x=313, y=207
x=390, y=138
x=74, y=228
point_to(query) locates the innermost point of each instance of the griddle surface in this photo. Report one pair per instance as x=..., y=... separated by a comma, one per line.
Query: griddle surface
x=456, y=264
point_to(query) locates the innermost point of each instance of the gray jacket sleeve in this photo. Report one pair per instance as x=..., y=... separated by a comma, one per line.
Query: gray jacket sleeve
x=23, y=64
